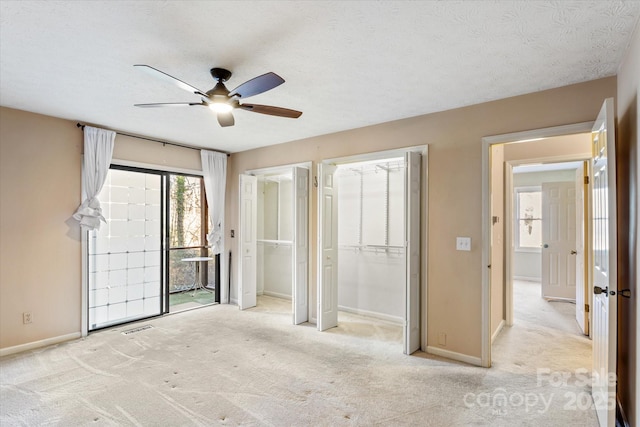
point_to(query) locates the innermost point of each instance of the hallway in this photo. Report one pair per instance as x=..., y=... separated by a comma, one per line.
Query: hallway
x=545, y=334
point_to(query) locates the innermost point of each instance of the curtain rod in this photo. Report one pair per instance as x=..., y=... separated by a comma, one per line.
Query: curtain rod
x=157, y=140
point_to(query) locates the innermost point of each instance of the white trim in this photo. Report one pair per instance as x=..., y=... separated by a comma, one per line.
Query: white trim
x=527, y=279
x=278, y=168
x=276, y=295
x=472, y=360
x=487, y=141
x=376, y=155
x=84, y=293
x=564, y=158
x=509, y=244
x=498, y=330
x=424, y=246
x=233, y=301
x=485, y=299
x=396, y=320
x=153, y=166
x=529, y=135
x=38, y=344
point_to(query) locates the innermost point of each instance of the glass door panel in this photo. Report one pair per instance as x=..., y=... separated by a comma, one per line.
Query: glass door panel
x=125, y=255
x=186, y=235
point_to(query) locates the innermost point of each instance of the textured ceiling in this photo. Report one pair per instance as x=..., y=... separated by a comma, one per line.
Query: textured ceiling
x=346, y=64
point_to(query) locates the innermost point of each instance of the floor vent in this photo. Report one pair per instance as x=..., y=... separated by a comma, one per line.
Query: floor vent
x=134, y=330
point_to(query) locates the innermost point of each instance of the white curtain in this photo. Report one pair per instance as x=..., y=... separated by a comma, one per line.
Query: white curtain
x=98, y=150
x=214, y=169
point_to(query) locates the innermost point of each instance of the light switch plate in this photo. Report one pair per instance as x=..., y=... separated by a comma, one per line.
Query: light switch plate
x=463, y=243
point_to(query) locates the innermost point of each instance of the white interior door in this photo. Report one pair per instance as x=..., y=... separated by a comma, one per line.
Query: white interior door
x=582, y=298
x=412, y=237
x=558, y=240
x=328, y=248
x=300, y=245
x=604, y=259
x=247, y=259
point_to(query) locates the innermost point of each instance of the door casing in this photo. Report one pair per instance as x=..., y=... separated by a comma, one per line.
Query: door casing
x=487, y=142
x=379, y=155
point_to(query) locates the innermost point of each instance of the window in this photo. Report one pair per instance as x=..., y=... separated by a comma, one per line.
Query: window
x=186, y=235
x=528, y=218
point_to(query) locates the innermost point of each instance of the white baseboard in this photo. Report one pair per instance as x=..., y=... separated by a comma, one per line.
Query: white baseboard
x=233, y=301
x=472, y=360
x=381, y=316
x=497, y=332
x=37, y=344
x=277, y=295
x=528, y=278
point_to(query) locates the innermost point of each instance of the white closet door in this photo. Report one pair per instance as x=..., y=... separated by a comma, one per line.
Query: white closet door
x=605, y=260
x=300, y=245
x=247, y=259
x=412, y=255
x=327, y=248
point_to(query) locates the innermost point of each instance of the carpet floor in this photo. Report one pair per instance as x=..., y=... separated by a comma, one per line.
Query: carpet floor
x=221, y=366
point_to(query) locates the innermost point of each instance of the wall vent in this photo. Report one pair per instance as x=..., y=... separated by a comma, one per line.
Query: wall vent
x=134, y=330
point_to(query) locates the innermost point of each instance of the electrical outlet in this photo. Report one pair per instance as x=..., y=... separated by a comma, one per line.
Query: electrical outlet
x=442, y=339
x=26, y=317
x=463, y=243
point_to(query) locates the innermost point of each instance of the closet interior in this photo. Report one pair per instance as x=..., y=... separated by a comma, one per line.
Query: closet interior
x=371, y=240
x=275, y=235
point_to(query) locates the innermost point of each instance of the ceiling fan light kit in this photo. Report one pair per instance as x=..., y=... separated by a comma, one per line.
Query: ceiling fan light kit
x=223, y=101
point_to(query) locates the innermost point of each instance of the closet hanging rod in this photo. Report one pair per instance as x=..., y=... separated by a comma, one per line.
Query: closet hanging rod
x=81, y=126
x=275, y=242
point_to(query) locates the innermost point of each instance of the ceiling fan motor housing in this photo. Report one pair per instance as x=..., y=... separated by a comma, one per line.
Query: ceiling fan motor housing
x=220, y=74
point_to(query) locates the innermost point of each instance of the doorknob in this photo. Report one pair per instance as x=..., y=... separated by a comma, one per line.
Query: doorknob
x=545, y=246
x=573, y=252
x=597, y=290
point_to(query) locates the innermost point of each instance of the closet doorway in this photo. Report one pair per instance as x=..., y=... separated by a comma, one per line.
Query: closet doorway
x=274, y=236
x=369, y=240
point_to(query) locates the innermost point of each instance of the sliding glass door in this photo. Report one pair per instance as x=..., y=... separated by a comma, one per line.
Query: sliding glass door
x=125, y=255
x=140, y=262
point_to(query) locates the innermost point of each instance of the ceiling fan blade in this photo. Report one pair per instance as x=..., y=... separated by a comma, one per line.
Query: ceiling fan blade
x=226, y=119
x=257, y=85
x=166, y=77
x=272, y=111
x=170, y=104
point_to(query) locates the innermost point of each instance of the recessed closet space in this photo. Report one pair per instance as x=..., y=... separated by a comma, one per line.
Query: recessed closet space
x=274, y=235
x=371, y=244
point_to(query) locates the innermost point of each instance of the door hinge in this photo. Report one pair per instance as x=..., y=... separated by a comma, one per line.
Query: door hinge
x=586, y=308
x=586, y=179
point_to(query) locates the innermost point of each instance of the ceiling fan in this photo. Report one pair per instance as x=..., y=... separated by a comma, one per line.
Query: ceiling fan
x=221, y=100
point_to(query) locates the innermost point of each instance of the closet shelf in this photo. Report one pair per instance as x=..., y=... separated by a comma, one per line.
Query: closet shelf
x=275, y=242
x=374, y=248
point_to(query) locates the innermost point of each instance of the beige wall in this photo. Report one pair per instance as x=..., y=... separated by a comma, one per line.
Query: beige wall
x=566, y=148
x=165, y=157
x=454, y=190
x=40, y=248
x=40, y=159
x=627, y=161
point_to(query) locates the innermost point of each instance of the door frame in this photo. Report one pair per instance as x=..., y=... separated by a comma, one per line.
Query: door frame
x=424, y=220
x=487, y=142
x=283, y=169
x=510, y=227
